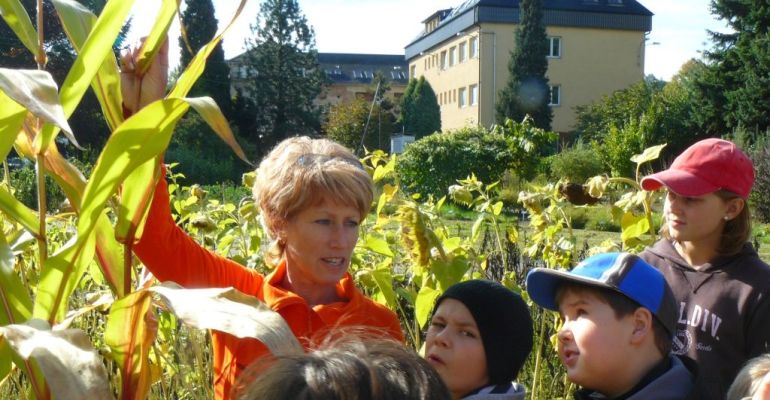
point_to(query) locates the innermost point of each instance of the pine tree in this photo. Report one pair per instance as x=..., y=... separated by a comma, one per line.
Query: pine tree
x=200, y=26
x=735, y=91
x=527, y=91
x=420, y=112
x=286, y=80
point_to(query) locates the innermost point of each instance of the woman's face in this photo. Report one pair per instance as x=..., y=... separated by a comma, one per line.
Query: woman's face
x=319, y=242
x=454, y=347
x=698, y=219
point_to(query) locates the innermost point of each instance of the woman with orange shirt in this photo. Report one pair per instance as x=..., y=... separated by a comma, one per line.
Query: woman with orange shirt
x=313, y=194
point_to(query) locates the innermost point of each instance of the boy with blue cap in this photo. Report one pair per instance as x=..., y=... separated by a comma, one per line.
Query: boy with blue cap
x=619, y=316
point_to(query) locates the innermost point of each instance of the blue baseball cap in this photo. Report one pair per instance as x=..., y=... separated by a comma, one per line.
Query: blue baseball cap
x=623, y=273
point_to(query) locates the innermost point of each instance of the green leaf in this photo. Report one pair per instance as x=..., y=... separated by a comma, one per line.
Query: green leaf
x=383, y=171
x=77, y=22
x=377, y=245
x=649, y=154
x=423, y=306
x=19, y=212
x=72, y=368
x=157, y=36
x=11, y=121
x=384, y=280
x=475, y=228
x=18, y=20
x=37, y=92
x=90, y=59
x=497, y=208
x=633, y=226
x=59, y=276
x=15, y=303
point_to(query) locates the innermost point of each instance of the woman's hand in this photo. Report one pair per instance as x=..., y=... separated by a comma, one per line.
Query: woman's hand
x=140, y=90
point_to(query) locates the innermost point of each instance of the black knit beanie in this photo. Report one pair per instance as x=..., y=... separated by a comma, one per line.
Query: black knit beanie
x=504, y=322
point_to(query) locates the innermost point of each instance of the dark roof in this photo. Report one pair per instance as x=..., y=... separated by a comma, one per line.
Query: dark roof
x=440, y=13
x=632, y=7
x=366, y=59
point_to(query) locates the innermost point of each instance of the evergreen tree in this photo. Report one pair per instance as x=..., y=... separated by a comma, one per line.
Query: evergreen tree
x=200, y=26
x=282, y=55
x=735, y=89
x=420, y=112
x=527, y=91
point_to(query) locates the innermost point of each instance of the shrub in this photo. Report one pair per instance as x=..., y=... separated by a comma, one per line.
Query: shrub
x=432, y=164
x=759, y=196
x=600, y=219
x=576, y=164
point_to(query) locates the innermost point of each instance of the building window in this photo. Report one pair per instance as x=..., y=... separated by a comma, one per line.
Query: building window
x=452, y=55
x=474, y=92
x=413, y=71
x=244, y=72
x=555, y=99
x=461, y=48
x=554, y=47
x=474, y=47
x=443, y=59
x=461, y=97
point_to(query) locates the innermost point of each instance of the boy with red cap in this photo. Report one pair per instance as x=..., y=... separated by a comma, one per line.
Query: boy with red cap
x=721, y=286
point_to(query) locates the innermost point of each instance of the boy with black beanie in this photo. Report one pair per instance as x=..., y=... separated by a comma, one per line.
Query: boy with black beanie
x=478, y=339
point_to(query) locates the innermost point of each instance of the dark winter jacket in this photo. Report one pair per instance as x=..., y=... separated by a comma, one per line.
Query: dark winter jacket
x=724, y=312
x=677, y=382
x=511, y=391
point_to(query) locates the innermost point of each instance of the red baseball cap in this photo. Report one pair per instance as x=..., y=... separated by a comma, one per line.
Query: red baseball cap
x=705, y=167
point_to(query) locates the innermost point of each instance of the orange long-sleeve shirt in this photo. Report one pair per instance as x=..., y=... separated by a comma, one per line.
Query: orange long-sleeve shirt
x=173, y=255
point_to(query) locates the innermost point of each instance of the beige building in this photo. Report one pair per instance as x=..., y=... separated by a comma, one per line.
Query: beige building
x=595, y=47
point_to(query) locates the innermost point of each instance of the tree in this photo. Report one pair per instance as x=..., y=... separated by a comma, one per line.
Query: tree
x=734, y=92
x=285, y=77
x=345, y=123
x=527, y=91
x=420, y=112
x=199, y=27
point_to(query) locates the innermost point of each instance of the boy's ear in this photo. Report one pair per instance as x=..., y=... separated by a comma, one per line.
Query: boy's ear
x=642, y=320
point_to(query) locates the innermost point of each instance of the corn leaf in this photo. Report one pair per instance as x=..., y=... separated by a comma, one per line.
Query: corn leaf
x=18, y=20
x=71, y=366
x=109, y=253
x=91, y=57
x=135, y=197
x=12, y=116
x=37, y=92
x=59, y=276
x=230, y=311
x=130, y=337
x=15, y=303
x=78, y=21
x=19, y=212
x=153, y=41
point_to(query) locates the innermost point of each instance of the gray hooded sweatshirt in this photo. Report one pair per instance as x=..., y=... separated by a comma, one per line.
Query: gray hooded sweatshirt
x=514, y=391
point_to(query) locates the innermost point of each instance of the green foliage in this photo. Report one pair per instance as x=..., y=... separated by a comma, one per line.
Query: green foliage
x=24, y=184
x=575, y=164
x=432, y=164
x=420, y=112
x=200, y=26
x=284, y=77
x=527, y=144
x=759, y=196
x=735, y=91
x=527, y=91
x=346, y=122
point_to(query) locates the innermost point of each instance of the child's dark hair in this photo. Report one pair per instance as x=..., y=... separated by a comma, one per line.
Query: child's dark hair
x=621, y=306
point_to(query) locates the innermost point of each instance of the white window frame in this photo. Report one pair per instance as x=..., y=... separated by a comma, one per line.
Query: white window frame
x=452, y=56
x=557, y=90
x=461, y=102
x=474, y=47
x=473, y=90
x=551, y=46
x=461, y=52
x=443, y=60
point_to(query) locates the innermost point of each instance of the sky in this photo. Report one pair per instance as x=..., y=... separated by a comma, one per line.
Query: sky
x=679, y=27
